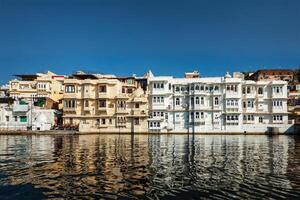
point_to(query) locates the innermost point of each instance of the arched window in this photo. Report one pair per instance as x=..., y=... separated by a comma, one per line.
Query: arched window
x=192, y=100
x=192, y=88
x=202, y=88
x=197, y=115
x=202, y=100
x=244, y=90
x=197, y=87
x=216, y=88
x=260, y=90
x=177, y=89
x=177, y=101
x=248, y=90
x=197, y=100
x=216, y=101
x=231, y=88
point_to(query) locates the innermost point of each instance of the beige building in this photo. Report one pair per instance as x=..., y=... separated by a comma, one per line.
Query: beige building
x=105, y=103
x=47, y=85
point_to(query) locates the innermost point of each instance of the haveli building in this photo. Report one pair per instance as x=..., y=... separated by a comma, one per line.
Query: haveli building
x=109, y=104
x=217, y=104
x=47, y=86
x=106, y=103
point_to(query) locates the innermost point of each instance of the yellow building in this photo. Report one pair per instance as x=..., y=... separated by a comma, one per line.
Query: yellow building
x=48, y=85
x=105, y=103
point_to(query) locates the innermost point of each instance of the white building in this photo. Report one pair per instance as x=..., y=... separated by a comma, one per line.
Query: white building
x=18, y=116
x=217, y=105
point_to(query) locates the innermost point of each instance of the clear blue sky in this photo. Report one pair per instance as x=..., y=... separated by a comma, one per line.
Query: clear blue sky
x=132, y=36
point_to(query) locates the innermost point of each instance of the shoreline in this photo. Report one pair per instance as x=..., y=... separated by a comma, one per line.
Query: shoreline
x=67, y=132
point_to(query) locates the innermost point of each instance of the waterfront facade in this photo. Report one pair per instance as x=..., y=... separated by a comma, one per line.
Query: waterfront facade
x=105, y=103
x=36, y=86
x=18, y=115
x=217, y=104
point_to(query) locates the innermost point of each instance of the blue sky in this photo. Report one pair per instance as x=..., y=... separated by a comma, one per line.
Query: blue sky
x=133, y=36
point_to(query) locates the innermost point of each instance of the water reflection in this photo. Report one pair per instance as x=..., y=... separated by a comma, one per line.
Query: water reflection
x=154, y=166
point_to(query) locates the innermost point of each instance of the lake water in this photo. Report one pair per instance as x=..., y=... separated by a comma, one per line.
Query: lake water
x=149, y=166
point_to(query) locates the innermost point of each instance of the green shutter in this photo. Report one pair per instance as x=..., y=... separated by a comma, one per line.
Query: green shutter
x=23, y=119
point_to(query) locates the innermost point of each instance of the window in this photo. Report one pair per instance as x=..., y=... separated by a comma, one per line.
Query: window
x=177, y=89
x=202, y=115
x=260, y=90
x=103, y=121
x=123, y=90
x=137, y=105
x=177, y=101
x=216, y=101
x=166, y=115
x=69, y=103
x=136, y=121
x=197, y=100
x=102, y=88
x=250, y=104
x=260, y=120
x=277, y=118
x=102, y=103
x=197, y=115
x=7, y=118
x=23, y=118
x=129, y=90
x=160, y=85
x=228, y=87
x=170, y=87
x=244, y=90
x=86, y=103
x=110, y=121
x=248, y=90
x=70, y=89
x=202, y=100
x=197, y=87
x=216, y=88
x=192, y=100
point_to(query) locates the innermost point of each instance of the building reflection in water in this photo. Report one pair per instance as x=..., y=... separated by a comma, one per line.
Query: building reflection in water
x=153, y=166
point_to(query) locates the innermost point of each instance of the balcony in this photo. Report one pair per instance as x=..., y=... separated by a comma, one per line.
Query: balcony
x=138, y=112
x=249, y=96
x=72, y=95
x=121, y=111
x=20, y=108
x=102, y=95
x=69, y=109
x=102, y=108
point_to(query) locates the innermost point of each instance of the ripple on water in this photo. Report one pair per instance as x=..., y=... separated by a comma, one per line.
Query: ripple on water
x=154, y=167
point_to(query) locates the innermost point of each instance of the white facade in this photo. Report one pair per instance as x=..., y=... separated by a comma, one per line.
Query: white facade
x=18, y=117
x=217, y=105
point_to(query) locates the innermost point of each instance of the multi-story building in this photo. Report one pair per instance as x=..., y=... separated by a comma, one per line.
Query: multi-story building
x=217, y=104
x=46, y=85
x=105, y=103
x=18, y=115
